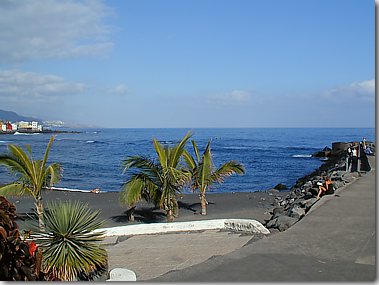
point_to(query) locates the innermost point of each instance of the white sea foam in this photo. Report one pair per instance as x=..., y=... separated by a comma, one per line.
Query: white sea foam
x=302, y=155
x=25, y=134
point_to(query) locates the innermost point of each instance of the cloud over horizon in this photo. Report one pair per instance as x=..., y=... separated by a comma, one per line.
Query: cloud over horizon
x=52, y=29
x=30, y=86
x=235, y=97
x=359, y=90
x=119, y=89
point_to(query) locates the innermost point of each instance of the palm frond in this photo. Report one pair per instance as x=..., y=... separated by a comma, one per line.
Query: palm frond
x=13, y=189
x=161, y=152
x=53, y=174
x=177, y=150
x=196, y=150
x=42, y=165
x=227, y=169
x=131, y=191
x=189, y=160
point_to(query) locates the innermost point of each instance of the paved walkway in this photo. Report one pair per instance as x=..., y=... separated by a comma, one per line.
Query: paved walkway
x=150, y=256
x=336, y=241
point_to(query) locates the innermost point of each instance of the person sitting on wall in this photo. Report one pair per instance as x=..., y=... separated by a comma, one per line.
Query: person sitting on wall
x=325, y=188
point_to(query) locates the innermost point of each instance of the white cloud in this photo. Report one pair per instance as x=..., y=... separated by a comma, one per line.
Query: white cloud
x=52, y=29
x=363, y=90
x=120, y=89
x=235, y=97
x=19, y=85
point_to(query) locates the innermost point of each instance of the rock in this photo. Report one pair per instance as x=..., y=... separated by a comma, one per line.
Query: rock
x=272, y=191
x=246, y=226
x=297, y=212
x=280, y=187
x=277, y=211
x=122, y=274
x=338, y=184
x=284, y=222
x=271, y=223
x=308, y=203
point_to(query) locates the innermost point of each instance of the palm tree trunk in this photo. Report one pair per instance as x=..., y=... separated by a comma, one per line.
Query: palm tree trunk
x=203, y=201
x=170, y=216
x=203, y=204
x=39, y=207
x=130, y=213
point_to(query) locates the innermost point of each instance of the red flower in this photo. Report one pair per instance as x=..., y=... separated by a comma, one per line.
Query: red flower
x=32, y=248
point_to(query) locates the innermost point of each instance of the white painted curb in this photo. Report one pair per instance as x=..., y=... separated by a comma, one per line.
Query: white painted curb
x=240, y=225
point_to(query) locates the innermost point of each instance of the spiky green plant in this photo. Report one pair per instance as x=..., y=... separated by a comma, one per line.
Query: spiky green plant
x=204, y=173
x=71, y=250
x=32, y=175
x=157, y=181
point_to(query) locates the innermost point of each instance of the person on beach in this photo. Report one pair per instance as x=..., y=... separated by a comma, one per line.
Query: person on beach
x=326, y=187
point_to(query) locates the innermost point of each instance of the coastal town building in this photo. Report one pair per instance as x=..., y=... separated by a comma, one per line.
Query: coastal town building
x=11, y=127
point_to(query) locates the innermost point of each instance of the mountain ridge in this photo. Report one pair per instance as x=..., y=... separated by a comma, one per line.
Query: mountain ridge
x=14, y=117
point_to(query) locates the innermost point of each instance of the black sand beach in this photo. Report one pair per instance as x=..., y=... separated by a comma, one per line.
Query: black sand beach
x=249, y=205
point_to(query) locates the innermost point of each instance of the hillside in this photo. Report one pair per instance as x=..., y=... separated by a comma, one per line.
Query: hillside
x=14, y=117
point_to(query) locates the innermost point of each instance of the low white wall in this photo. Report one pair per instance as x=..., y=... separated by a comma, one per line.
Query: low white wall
x=240, y=225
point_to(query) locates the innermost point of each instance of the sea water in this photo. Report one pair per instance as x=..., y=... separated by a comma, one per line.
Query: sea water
x=92, y=158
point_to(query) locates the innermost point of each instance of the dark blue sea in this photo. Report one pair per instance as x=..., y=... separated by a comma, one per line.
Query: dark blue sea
x=93, y=157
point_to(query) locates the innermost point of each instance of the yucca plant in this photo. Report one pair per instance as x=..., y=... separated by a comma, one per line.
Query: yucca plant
x=32, y=175
x=71, y=250
x=204, y=173
x=157, y=181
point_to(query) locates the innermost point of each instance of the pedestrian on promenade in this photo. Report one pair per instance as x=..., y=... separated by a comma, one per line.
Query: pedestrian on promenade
x=354, y=159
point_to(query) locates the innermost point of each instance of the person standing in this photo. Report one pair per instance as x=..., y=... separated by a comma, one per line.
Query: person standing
x=354, y=157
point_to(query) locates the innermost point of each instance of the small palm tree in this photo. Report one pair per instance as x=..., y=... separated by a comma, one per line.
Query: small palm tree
x=32, y=175
x=156, y=181
x=204, y=174
x=71, y=249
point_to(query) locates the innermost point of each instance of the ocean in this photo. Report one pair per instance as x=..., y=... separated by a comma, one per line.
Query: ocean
x=92, y=159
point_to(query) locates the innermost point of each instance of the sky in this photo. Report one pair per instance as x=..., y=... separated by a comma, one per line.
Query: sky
x=190, y=63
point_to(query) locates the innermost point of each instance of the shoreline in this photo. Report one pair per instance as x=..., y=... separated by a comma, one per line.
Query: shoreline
x=252, y=205
x=257, y=205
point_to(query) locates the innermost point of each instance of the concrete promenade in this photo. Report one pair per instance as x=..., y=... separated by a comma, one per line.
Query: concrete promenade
x=336, y=241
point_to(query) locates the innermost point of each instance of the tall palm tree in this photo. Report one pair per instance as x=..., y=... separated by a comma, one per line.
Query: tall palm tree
x=32, y=175
x=71, y=249
x=156, y=181
x=204, y=174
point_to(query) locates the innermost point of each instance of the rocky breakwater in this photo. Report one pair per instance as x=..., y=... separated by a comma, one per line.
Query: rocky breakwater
x=289, y=209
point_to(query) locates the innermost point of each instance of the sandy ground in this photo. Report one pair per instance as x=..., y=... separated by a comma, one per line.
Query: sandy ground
x=248, y=205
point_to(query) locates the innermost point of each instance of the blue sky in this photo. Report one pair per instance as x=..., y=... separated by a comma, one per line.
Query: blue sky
x=198, y=63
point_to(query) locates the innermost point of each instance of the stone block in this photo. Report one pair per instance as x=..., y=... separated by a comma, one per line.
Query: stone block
x=122, y=274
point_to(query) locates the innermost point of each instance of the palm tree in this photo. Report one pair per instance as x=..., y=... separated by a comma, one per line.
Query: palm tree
x=156, y=181
x=32, y=175
x=204, y=174
x=71, y=249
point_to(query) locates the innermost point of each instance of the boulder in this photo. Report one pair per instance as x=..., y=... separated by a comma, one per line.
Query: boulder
x=308, y=203
x=122, y=274
x=284, y=222
x=271, y=223
x=277, y=211
x=280, y=187
x=297, y=212
x=272, y=191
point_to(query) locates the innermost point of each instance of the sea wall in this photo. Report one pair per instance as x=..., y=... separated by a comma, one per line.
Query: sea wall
x=291, y=208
